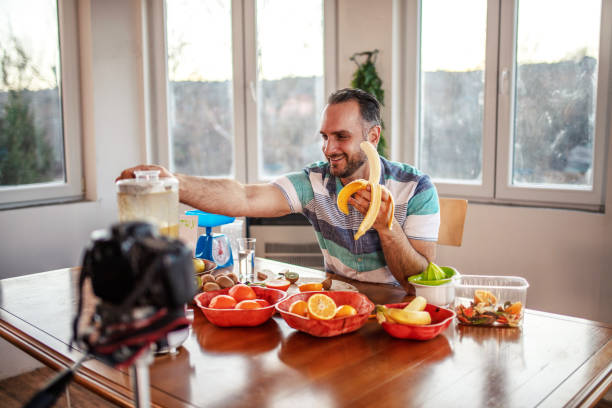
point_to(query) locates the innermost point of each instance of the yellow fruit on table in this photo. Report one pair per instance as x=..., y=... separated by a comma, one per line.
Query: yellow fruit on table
x=417, y=304
x=299, y=307
x=344, y=311
x=311, y=287
x=321, y=307
x=409, y=317
x=199, y=265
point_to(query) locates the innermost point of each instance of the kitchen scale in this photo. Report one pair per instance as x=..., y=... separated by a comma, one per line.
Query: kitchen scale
x=213, y=246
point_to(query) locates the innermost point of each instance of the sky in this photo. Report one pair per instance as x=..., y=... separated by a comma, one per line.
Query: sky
x=34, y=24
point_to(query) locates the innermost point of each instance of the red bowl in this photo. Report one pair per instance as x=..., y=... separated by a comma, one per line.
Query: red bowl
x=333, y=327
x=239, y=317
x=440, y=319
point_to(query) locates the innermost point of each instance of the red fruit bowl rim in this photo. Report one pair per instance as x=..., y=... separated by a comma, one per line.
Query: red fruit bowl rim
x=419, y=331
x=332, y=327
x=216, y=316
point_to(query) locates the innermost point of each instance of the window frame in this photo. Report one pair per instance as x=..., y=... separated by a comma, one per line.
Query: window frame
x=72, y=189
x=498, y=102
x=244, y=73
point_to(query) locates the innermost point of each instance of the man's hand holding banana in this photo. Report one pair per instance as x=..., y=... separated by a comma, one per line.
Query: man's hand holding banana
x=369, y=197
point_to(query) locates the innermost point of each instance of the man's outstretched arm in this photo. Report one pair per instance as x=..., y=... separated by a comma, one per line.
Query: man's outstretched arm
x=224, y=196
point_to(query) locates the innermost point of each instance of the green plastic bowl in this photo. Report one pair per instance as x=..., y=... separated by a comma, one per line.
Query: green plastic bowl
x=448, y=272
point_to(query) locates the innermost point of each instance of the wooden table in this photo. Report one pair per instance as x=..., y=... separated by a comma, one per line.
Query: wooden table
x=552, y=361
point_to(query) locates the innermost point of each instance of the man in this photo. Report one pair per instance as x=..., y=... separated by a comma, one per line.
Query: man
x=382, y=254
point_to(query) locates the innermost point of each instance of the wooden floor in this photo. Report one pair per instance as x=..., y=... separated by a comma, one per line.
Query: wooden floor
x=16, y=391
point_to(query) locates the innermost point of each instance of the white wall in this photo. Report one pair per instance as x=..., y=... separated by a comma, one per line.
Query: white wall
x=565, y=255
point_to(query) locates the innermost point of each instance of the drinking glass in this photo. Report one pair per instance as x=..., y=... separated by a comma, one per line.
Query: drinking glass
x=246, y=257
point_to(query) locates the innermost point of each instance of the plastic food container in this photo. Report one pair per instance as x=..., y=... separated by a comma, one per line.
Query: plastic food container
x=490, y=300
x=439, y=294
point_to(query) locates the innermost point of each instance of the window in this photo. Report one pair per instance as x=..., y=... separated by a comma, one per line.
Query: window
x=511, y=103
x=40, y=154
x=246, y=85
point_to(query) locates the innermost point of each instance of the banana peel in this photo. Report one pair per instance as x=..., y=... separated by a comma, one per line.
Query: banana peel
x=375, y=190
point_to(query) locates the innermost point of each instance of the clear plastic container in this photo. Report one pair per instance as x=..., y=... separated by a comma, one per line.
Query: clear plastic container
x=150, y=198
x=491, y=300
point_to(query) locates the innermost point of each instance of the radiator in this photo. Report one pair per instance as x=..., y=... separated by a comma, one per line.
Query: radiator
x=294, y=244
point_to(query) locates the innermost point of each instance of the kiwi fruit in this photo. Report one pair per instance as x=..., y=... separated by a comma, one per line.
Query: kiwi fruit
x=224, y=281
x=292, y=276
x=207, y=277
x=233, y=277
x=327, y=283
x=210, y=286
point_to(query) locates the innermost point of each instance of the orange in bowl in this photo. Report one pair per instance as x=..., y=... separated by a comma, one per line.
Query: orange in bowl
x=242, y=292
x=321, y=307
x=331, y=327
x=247, y=304
x=345, y=310
x=299, y=307
x=240, y=317
x=222, y=302
x=262, y=302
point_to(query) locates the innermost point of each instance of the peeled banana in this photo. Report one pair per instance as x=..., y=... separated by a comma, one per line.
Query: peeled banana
x=412, y=313
x=409, y=316
x=417, y=304
x=375, y=190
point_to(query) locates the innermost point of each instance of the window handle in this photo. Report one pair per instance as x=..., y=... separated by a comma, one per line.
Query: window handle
x=503, y=81
x=253, y=91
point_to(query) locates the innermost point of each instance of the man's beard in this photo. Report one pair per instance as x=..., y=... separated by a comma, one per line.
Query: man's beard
x=352, y=165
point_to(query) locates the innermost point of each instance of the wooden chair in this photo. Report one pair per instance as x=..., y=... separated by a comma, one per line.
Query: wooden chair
x=452, y=219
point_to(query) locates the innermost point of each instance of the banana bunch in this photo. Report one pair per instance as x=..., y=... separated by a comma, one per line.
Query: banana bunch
x=412, y=313
x=375, y=190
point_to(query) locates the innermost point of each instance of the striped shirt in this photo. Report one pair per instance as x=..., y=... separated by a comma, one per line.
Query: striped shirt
x=313, y=192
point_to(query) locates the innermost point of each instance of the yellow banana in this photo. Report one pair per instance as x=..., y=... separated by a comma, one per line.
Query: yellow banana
x=409, y=317
x=347, y=191
x=373, y=161
x=375, y=190
x=372, y=213
x=382, y=314
x=417, y=304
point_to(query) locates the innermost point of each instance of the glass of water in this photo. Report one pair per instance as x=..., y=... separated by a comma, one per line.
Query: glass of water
x=246, y=257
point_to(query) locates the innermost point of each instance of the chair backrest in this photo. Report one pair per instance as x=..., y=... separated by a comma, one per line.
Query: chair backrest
x=452, y=219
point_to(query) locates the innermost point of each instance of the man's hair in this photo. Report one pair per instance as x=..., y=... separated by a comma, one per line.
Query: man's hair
x=369, y=107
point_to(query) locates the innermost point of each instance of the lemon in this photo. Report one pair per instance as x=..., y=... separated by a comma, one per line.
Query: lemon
x=199, y=265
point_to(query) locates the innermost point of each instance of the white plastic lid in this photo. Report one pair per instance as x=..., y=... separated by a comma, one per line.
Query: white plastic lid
x=147, y=181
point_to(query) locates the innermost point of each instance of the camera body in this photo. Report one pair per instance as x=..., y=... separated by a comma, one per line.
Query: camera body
x=142, y=282
x=134, y=259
